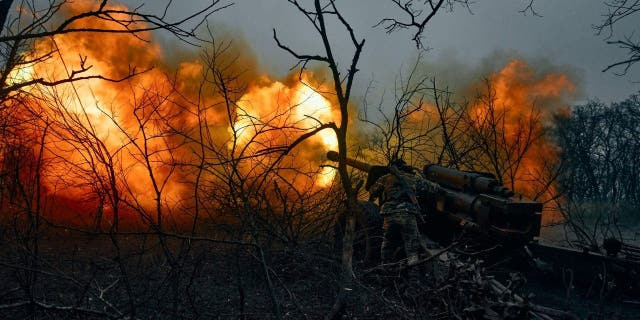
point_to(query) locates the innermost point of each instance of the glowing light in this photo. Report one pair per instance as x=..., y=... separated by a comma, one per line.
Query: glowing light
x=293, y=110
x=21, y=74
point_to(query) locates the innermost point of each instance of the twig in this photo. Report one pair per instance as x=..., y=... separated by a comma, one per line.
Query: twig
x=402, y=264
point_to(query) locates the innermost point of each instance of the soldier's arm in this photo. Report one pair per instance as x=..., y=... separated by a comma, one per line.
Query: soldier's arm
x=376, y=190
x=426, y=186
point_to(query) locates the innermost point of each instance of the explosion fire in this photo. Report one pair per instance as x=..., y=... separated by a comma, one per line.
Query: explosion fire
x=516, y=107
x=138, y=133
x=290, y=110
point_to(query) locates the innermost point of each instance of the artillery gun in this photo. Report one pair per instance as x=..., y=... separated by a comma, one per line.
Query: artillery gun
x=467, y=200
x=478, y=202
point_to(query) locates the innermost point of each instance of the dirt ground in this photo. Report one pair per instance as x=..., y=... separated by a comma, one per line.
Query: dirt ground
x=76, y=276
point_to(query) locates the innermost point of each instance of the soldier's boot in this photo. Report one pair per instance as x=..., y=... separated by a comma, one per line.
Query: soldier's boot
x=414, y=271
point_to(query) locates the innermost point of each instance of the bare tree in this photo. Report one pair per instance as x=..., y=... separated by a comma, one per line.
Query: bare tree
x=415, y=15
x=241, y=176
x=44, y=21
x=600, y=173
x=619, y=11
x=407, y=130
x=427, y=126
x=95, y=166
x=501, y=143
x=317, y=15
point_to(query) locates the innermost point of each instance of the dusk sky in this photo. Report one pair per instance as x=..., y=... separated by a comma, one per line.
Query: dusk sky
x=562, y=36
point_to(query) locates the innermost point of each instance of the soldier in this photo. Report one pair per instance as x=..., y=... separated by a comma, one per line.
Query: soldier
x=396, y=192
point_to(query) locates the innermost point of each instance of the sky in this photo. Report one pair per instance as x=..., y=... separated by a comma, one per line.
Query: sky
x=562, y=36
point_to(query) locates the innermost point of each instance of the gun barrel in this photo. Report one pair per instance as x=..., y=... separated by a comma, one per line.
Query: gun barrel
x=466, y=180
x=333, y=156
x=373, y=172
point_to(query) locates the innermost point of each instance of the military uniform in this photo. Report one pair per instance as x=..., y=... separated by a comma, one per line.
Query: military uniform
x=399, y=212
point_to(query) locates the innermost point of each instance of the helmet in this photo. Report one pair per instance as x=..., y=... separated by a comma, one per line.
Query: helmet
x=401, y=165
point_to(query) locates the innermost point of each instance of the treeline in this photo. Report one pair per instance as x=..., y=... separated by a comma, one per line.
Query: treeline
x=601, y=151
x=600, y=167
